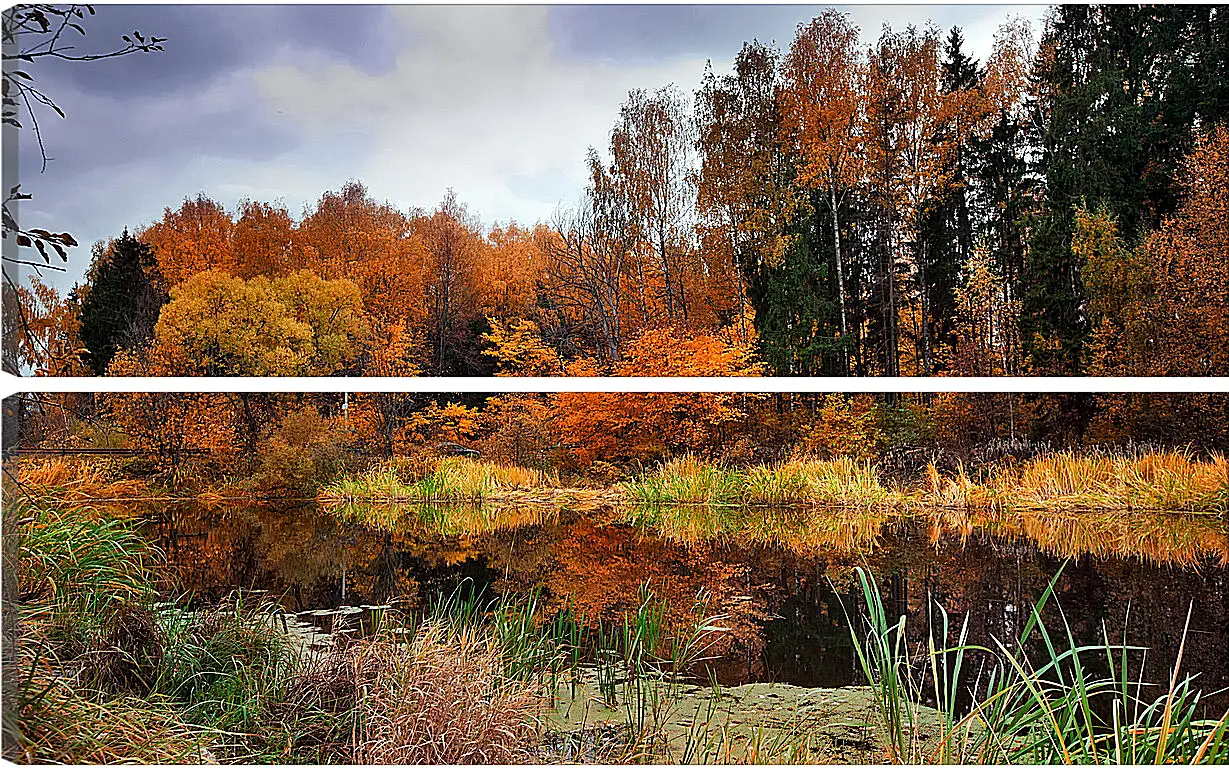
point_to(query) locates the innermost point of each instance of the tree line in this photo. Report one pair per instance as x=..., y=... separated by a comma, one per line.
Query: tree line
x=832, y=208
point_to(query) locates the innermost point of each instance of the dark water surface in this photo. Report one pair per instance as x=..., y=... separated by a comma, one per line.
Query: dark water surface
x=786, y=594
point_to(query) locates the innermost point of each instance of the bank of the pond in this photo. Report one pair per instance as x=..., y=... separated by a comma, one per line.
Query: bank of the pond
x=112, y=671
x=1164, y=481
x=1156, y=481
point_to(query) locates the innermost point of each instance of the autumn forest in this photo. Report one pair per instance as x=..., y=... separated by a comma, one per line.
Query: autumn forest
x=824, y=209
x=375, y=577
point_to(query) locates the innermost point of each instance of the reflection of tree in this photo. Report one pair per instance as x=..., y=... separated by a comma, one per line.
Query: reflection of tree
x=600, y=569
x=992, y=581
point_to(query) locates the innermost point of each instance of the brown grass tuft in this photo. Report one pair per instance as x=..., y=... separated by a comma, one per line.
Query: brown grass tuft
x=129, y=655
x=443, y=700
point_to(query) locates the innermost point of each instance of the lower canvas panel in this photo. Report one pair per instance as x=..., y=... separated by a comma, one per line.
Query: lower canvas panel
x=447, y=578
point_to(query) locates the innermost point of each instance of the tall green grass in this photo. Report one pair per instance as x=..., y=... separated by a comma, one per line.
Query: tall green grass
x=841, y=482
x=452, y=479
x=1047, y=709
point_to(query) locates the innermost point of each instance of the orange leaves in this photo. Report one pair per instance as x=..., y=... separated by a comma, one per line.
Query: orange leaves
x=264, y=242
x=45, y=329
x=1164, y=306
x=844, y=426
x=349, y=235
x=627, y=426
x=508, y=271
x=665, y=352
x=821, y=99
x=191, y=240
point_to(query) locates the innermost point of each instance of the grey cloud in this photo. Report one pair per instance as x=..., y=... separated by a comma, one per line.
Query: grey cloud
x=205, y=40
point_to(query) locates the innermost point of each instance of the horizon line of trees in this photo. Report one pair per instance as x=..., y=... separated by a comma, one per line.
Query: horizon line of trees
x=831, y=209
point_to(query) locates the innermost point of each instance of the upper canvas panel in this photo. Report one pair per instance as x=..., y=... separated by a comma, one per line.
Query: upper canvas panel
x=405, y=191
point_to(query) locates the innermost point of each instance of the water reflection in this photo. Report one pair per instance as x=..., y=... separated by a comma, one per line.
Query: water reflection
x=783, y=580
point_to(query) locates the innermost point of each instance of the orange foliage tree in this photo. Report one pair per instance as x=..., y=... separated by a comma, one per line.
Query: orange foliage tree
x=193, y=239
x=632, y=425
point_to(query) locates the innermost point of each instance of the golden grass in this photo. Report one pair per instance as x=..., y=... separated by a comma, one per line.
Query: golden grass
x=448, y=479
x=74, y=481
x=1171, y=481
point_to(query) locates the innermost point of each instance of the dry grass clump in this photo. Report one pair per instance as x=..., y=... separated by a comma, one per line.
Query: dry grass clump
x=1172, y=481
x=129, y=655
x=453, y=479
x=75, y=481
x=443, y=700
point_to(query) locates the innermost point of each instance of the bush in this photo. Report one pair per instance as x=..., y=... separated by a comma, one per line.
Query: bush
x=304, y=453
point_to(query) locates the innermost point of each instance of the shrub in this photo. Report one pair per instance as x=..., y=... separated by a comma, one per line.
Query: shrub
x=304, y=453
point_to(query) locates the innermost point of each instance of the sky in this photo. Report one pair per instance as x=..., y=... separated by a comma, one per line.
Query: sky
x=280, y=103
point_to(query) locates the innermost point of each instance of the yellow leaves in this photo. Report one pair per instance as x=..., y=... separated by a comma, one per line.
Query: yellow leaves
x=987, y=323
x=451, y=422
x=219, y=325
x=844, y=426
x=390, y=350
x=227, y=327
x=519, y=348
x=333, y=309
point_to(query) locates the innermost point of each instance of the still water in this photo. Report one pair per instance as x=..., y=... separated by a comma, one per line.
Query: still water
x=784, y=580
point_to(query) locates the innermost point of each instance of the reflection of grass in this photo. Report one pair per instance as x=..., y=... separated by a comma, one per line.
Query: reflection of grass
x=448, y=479
x=443, y=519
x=841, y=482
x=1159, y=537
x=800, y=528
x=1157, y=481
x=1052, y=708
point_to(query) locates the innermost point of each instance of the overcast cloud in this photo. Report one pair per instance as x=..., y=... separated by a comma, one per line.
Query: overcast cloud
x=281, y=103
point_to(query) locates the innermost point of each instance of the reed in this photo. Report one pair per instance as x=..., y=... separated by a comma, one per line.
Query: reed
x=841, y=482
x=75, y=568
x=1028, y=708
x=451, y=479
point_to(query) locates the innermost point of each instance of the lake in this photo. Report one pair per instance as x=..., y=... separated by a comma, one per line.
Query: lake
x=783, y=579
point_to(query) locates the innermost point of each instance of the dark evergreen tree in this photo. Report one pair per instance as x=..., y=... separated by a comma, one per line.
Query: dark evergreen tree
x=945, y=241
x=1002, y=196
x=795, y=302
x=1120, y=90
x=121, y=306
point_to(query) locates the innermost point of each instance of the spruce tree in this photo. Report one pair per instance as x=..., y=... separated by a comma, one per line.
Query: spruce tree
x=121, y=306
